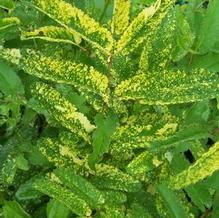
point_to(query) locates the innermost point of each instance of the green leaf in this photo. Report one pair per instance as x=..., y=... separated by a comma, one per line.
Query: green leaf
x=194, y=14
x=38, y=107
x=59, y=154
x=198, y=113
x=143, y=130
x=187, y=133
x=158, y=48
x=8, y=170
x=10, y=110
x=21, y=162
x=8, y=22
x=9, y=28
x=200, y=195
x=143, y=163
x=55, y=209
x=12, y=56
x=27, y=192
x=78, y=100
x=172, y=202
x=198, y=192
x=114, y=197
x=112, y=211
x=102, y=136
x=215, y=210
x=184, y=38
x=213, y=181
x=209, y=61
x=131, y=36
x=147, y=21
x=138, y=211
x=10, y=83
x=7, y=4
x=12, y=209
x=209, y=29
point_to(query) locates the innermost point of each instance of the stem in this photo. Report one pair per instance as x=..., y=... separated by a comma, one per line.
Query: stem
x=194, y=52
x=206, y=214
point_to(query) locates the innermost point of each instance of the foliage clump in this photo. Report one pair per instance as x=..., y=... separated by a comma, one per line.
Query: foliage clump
x=109, y=108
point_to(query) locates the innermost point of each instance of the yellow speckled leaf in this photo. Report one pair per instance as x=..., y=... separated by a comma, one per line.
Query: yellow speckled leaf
x=84, y=189
x=73, y=18
x=143, y=163
x=203, y=167
x=120, y=16
x=146, y=23
x=84, y=78
x=159, y=45
x=62, y=110
x=92, y=84
x=52, y=188
x=53, y=34
x=109, y=177
x=169, y=87
x=140, y=131
x=59, y=154
x=11, y=55
x=131, y=35
x=8, y=22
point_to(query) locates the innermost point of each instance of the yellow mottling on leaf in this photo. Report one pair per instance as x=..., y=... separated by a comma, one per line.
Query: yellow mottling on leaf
x=66, y=151
x=207, y=164
x=120, y=16
x=136, y=25
x=62, y=110
x=54, y=178
x=151, y=189
x=71, y=17
x=167, y=129
x=156, y=162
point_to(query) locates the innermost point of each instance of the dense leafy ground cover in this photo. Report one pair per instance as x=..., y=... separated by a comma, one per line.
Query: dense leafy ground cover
x=109, y=108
